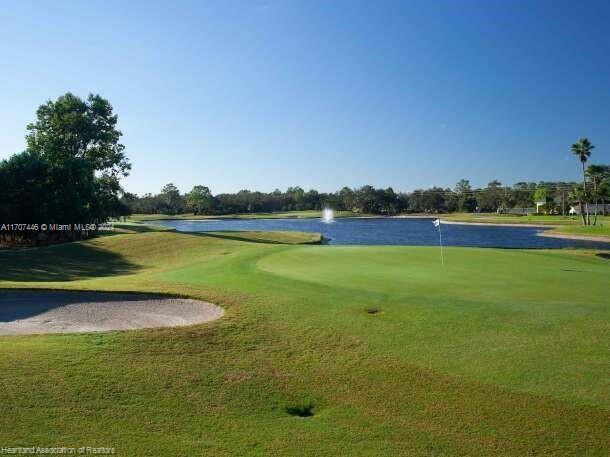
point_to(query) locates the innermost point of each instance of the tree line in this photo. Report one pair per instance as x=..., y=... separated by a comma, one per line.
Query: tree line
x=495, y=197
x=522, y=197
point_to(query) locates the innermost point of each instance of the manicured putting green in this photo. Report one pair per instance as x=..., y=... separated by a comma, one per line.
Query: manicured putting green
x=495, y=315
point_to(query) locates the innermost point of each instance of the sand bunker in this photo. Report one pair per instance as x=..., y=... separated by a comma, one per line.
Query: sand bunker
x=27, y=312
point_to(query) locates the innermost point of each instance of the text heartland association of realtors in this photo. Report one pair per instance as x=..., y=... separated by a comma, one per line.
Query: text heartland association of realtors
x=38, y=450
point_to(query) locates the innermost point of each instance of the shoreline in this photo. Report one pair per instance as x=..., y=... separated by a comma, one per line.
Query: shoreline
x=546, y=232
x=498, y=224
x=569, y=236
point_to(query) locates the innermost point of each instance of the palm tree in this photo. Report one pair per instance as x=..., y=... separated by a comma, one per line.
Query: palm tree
x=596, y=173
x=582, y=149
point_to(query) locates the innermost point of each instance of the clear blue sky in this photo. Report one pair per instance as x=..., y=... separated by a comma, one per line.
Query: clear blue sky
x=269, y=94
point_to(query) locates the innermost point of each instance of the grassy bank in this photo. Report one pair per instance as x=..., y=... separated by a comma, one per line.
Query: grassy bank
x=600, y=231
x=513, y=219
x=502, y=352
x=561, y=225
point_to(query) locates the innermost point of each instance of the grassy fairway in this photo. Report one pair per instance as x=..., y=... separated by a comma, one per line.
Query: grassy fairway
x=502, y=352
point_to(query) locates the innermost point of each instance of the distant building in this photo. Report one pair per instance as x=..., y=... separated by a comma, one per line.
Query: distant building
x=599, y=208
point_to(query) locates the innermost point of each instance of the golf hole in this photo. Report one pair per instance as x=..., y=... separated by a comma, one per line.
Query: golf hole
x=305, y=410
x=373, y=310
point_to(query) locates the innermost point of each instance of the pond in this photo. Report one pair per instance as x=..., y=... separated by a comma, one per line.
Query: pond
x=392, y=231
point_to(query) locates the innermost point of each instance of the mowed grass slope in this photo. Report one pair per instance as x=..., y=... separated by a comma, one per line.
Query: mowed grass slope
x=501, y=352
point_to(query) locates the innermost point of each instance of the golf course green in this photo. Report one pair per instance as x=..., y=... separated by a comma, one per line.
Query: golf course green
x=323, y=350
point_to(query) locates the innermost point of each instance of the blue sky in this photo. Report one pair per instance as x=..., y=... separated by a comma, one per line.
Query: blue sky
x=269, y=94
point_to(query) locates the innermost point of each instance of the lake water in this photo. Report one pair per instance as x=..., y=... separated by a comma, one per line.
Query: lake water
x=392, y=231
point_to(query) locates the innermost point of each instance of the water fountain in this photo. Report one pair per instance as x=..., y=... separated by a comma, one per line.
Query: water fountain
x=328, y=216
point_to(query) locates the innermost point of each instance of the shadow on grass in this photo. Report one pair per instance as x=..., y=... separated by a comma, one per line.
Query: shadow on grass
x=252, y=237
x=121, y=228
x=66, y=262
x=229, y=236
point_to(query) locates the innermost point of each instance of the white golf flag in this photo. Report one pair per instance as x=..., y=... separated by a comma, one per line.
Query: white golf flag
x=437, y=223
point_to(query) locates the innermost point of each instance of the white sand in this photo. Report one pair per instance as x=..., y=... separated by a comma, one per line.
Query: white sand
x=28, y=312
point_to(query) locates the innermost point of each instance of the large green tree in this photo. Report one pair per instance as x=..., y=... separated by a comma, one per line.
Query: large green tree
x=79, y=140
x=597, y=174
x=71, y=127
x=490, y=198
x=172, y=199
x=200, y=200
x=465, y=198
x=71, y=169
x=24, y=191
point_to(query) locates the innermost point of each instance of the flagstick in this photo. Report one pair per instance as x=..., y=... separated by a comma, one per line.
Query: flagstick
x=440, y=240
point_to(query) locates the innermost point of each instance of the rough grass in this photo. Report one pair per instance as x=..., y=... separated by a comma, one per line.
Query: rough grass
x=271, y=237
x=502, y=352
x=568, y=225
x=134, y=227
x=602, y=229
x=515, y=219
